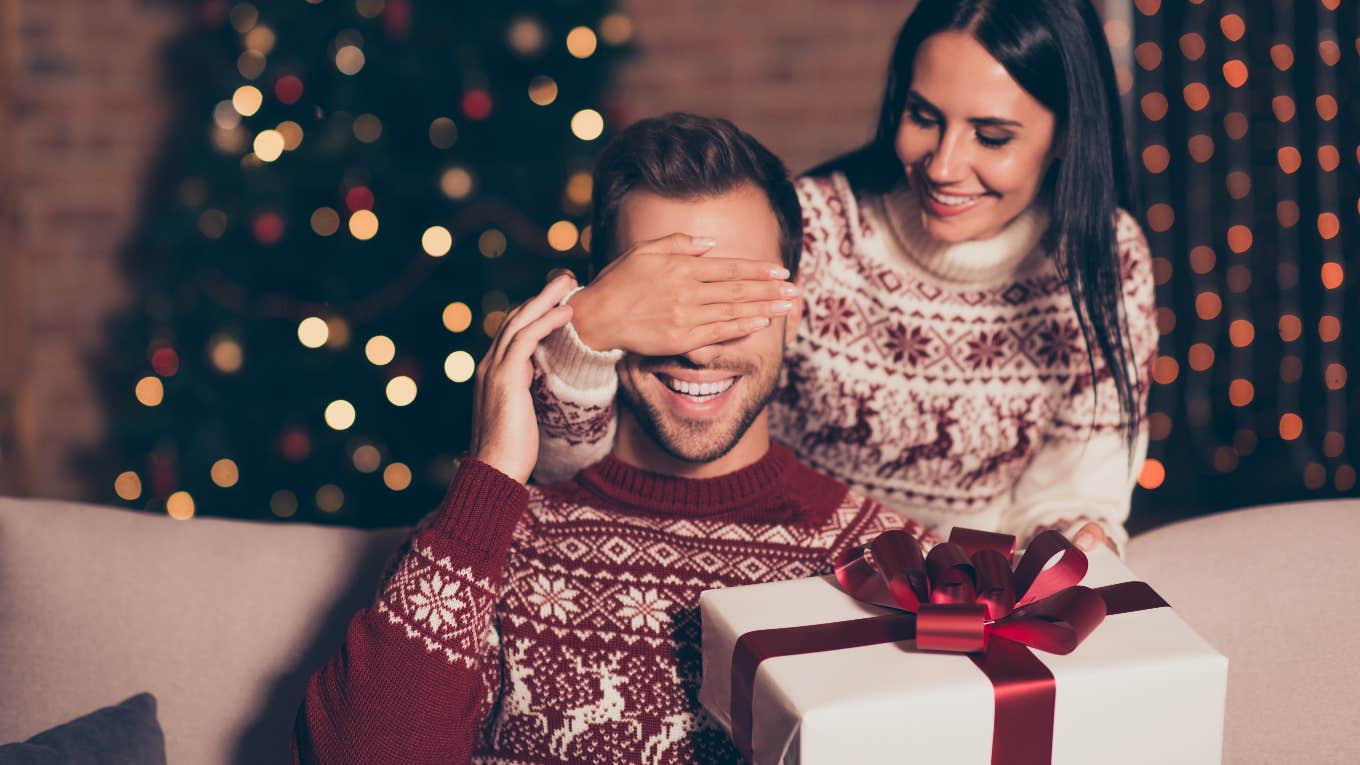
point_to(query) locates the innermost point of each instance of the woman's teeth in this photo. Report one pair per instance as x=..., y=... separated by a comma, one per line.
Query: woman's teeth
x=950, y=199
x=699, y=391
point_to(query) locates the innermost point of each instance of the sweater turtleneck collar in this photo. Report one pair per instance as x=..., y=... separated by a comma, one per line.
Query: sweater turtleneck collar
x=973, y=262
x=775, y=488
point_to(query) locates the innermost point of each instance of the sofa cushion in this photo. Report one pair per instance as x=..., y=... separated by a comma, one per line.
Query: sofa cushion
x=1269, y=588
x=222, y=620
x=123, y=733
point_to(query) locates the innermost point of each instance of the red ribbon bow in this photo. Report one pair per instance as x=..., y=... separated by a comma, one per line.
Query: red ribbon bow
x=964, y=592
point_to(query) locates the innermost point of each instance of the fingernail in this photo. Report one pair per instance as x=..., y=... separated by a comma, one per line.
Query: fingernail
x=779, y=273
x=703, y=241
x=790, y=290
x=760, y=321
x=781, y=306
x=1085, y=540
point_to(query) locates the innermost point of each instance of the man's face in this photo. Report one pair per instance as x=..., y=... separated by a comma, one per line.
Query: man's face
x=699, y=406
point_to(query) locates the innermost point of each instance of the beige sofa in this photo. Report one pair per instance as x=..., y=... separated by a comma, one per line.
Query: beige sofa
x=224, y=620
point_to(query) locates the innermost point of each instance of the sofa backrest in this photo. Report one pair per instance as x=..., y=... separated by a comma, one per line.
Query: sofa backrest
x=222, y=620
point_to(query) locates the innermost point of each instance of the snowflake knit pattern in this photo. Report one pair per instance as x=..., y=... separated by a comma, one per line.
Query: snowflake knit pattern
x=949, y=381
x=571, y=634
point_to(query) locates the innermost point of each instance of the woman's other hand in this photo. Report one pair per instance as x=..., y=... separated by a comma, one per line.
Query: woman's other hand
x=660, y=298
x=1090, y=536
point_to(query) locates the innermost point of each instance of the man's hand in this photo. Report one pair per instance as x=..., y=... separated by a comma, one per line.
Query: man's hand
x=504, y=427
x=660, y=299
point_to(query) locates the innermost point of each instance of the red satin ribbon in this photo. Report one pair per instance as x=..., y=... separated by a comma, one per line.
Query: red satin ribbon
x=962, y=602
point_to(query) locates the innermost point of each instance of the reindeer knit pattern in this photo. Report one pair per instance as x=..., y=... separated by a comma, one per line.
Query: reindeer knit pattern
x=949, y=381
x=561, y=624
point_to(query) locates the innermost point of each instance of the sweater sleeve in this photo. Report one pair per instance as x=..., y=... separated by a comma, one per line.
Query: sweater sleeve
x=418, y=672
x=1085, y=470
x=573, y=390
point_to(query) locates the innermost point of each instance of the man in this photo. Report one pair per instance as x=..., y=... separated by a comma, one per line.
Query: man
x=560, y=623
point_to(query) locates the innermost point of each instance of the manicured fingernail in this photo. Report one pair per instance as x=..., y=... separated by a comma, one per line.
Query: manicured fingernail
x=790, y=290
x=1085, y=540
x=781, y=306
x=760, y=321
x=703, y=241
x=779, y=273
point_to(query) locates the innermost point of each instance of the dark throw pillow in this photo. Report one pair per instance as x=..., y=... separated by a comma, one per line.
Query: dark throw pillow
x=123, y=734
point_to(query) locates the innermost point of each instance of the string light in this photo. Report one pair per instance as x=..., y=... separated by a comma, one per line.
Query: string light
x=226, y=354
x=401, y=390
x=397, y=476
x=587, y=124
x=436, y=241
x=367, y=458
x=340, y=414
x=562, y=235
x=150, y=391
x=128, y=485
x=325, y=221
x=457, y=317
x=581, y=42
x=329, y=498
x=313, y=332
x=491, y=243
x=269, y=145
x=225, y=473
x=283, y=503
x=246, y=101
x=459, y=366
x=349, y=59
x=456, y=183
x=542, y=90
x=443, y=133
x=380, y=350
x=363, y=225
x=180, y=506
x=367, y=128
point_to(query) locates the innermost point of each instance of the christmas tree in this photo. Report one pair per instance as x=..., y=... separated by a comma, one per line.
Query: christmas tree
x=352, y=193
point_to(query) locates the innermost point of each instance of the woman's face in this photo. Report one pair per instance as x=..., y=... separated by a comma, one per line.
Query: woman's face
x=975, y=144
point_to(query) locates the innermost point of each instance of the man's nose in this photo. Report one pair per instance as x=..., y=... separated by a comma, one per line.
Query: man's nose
x=702, y=357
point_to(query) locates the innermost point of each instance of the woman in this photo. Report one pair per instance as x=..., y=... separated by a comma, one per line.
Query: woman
x=955, y=272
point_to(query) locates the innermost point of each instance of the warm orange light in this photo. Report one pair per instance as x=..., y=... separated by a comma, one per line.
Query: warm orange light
x=1287, y=212
x=1290, y=328
x=1328, y=225
x=1282, y=56
x=1196, y=96
x=1314, y=475
x=1159, y=426
x=1156, y=158
x=1283, y=106
x=1165, y=370
x=1334, y=377
x=1329, y=158
x=1161, y=270
x=1152, y=475
x=1239, y=279
x=1202, y=259
x=1148, y=55
x=1290, y=159
x=1239, y=239
x=1154, y=106
x=1208, y=305
x=1201, y=147
x=1192, y=46
x=1235, y=124
x=1291, y=426
x=1344, y=478
x=1241, y=392
x=1160, y=216
x=1241, y=333
x=1332, y=275
x=1233, y=27
x=1326, y=107
x=1201, y=356
x=1329, y=329
x=1329, y=52
x=1166, y=321
x=1333, y=444
x=1291, y=368
x=1225, y=459
x=1235, y=73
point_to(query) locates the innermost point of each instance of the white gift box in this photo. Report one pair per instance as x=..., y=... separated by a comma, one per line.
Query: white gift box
x=1142, y=688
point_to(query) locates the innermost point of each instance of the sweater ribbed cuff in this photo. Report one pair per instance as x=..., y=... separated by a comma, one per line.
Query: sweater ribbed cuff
x=482, y=507
x=563, y=355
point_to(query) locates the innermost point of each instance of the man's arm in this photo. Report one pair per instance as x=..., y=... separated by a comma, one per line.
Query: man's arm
x=418, y=671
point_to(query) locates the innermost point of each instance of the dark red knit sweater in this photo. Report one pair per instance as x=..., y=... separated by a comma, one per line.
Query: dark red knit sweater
x=561, y=624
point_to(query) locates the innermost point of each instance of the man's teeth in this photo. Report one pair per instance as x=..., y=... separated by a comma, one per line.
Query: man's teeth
x=949, y=199
x=707, y=389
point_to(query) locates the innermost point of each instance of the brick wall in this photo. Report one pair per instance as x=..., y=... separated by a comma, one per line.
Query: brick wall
x=82, y=120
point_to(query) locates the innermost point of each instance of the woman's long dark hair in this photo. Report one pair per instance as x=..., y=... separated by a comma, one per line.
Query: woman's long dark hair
x=1056, y=51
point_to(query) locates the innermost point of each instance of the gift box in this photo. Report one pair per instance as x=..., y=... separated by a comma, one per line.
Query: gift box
x=804, y=672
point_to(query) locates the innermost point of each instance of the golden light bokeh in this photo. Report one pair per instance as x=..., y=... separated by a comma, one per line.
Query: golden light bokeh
x=380, y=350
x=1208, y=305
x=491, y=323
x=313, y=332
x=1329, y=329
x=1291, y=426
x=180, y=506
x=562, y=235
x=1233, y=26
x=1152, y=475
x=226, y=354
x=1235, y=73
x=542, y=90
x=340, y=414
x=401, y=390
x=1290, y=160
x=363, y=225
x=616, y=29
x=457, y=317
x=1202, y=259
x=1154, y=106
x=397, y=476
x=581, y=42
x=1148, y=55
x=225, y=473
x=1283, y=107
x=261, y=39
x=268, y=145
x=283, y=503
x=459, y=366
x=1165, y=370
x=1241, y=333
x=212, y=223
x=225, y=116
x=579, y=188
x=443, y=133
x=1333, y=444
x=251, y=64
x=1239, y=238
x=436, y=241
x=329, y=498
x=247, y=100
x=525, y=35
x=456, y=183
x=1314, y=475
x=367, y=128
x=1241, y=392
x=292, y=134
x=1196, y=96
x=128, y=485
x=1334, y=377
x=1326, y=107
x=349, y=59
x=325, y=221
x=1200, y=356
x=1290, y=328
x=1226, y=459
x=150, y=391
x=367, y=458
x=1282, y=56
x=587, y=124
x=492, y=243
x=1328, y=225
